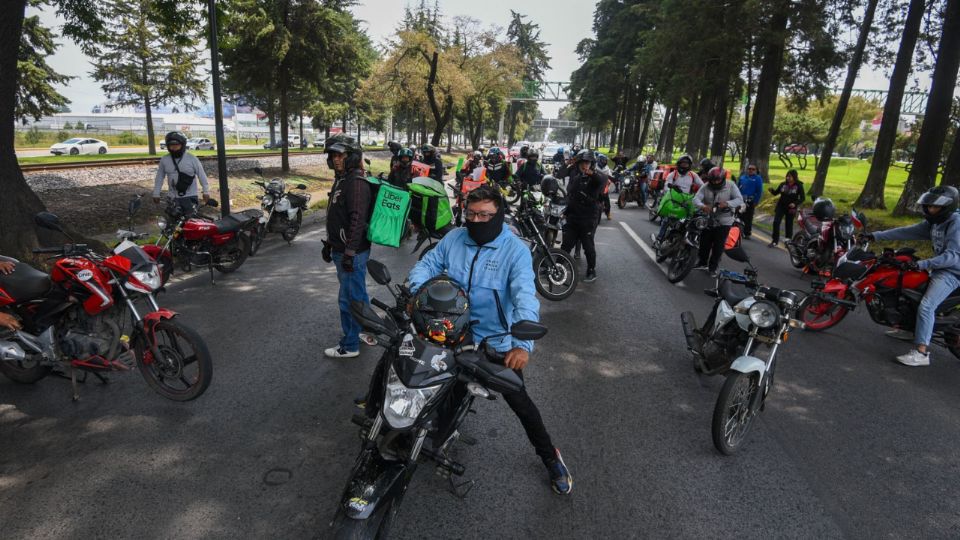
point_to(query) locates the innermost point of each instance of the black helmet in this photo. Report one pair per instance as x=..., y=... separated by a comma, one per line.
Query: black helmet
x=176, y=137
x=602, y=160
x=706, y=164
x=586, y=155
x=687, y=158
x=394, y=147
x=343, y=144
x=405, y=152
x=495, y=155
x=549, y=185
x=441, y=311
x=823, y=208
x=524, y=151
x=945, y=197
x=533, y=154
x=428, y=150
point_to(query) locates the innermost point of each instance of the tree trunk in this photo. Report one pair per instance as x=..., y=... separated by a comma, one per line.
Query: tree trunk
x=746, y=109
x=855, y=61
x=718, y=145
x=284, y=123
x=637, y=120
x=450, y=134
x=872, y=194
x=271, y=119
x=951, y=171
x=512, y=126
x=647, y=119
x=761, y=127
x=936, y=117
x=151, y=137
x=664, y=127
x=669, y=130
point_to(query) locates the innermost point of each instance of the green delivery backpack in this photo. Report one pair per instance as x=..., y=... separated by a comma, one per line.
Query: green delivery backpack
x=430, y=205
x=676, y=204
x=389, y=216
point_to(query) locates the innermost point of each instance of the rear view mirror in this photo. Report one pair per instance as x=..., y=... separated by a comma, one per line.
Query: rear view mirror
x=528, y=330
x=49, y=221
x=378, y=271
x=367, y=318
x=301, y=186
x=258, y=170
x=738, y=254
x=134, y=205
x=213, y=203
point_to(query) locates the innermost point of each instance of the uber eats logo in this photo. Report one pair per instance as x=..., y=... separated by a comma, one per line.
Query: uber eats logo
x=391, y=200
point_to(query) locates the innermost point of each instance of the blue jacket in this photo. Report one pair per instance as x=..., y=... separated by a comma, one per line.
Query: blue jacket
x=498, y=277
x=945, y=237
x=751, y=186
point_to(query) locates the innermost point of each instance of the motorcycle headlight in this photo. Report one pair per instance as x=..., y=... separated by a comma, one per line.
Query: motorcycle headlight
x=150, y=278
x=764, y=314
x=267, y=200
x=162, y=222
x=846, y=230
x=403, y=405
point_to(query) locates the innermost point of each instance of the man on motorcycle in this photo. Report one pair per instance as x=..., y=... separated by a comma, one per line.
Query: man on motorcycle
x=719, y=198
x=531, y=172
x=685, y=180
x=583, y=193
x=498, y=170
x=558, y=158
x=400, y=171
x=705, y=166
x=181, y=169
x=348, y=215
x=941, y=225
x=751, y=187
x=497, y=270
x=431, y=158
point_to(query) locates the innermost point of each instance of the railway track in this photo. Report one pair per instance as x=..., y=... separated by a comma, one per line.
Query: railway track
x=126, y=162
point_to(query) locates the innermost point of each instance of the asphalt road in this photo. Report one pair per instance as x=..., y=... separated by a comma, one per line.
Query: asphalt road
x=850, y=445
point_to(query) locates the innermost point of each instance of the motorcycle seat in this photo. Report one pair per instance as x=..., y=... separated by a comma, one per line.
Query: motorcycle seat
x=811, y=224
x=25, y=282
x=233, y=222
x=860, y=255
x=732, y=292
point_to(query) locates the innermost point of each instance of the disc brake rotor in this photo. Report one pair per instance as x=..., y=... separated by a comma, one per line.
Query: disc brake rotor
x=170, y=363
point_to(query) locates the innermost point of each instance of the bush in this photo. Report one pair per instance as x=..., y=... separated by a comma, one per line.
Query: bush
x=63, y=135
x=129, y=138
x=67, y=125
x=33, y=135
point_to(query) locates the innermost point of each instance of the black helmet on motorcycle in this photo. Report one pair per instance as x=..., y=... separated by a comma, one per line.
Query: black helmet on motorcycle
x=428, y=151
x=533, y=154
x=549, y=185
x=716, y=177
x=946, y=197
x=586, y=155
x=405, y=153
x=175, y=137
x=441, y=311
x=823, y=209
x=394, y=147
x=685, y=158
x=524, y=151
x=343, y=144
x=495, y=155
x=706, y=164
x=602, y=160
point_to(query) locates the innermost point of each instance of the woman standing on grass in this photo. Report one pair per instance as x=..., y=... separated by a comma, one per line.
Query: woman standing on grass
x=791, y=197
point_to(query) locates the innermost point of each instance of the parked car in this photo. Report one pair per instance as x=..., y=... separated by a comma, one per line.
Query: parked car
x=77, y=146
x=318, y=143
x=866, y=153
x=275, y=145
x=199, y=143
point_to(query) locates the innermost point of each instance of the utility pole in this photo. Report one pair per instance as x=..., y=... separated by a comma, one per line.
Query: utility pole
x=218, y=110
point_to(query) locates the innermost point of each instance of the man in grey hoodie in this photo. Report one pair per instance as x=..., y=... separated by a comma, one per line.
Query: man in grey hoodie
x=941, y=225
x=720, y=198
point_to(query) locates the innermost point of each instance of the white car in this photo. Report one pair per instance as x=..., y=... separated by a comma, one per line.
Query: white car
x=78, y=146
x=199, y=143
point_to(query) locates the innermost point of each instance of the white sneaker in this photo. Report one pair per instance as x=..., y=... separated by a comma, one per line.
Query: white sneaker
x=340, y=352
x=914, y=358
x=898, y=333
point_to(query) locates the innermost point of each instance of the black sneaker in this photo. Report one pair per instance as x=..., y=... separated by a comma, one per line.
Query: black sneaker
x=591, y=277
x=560, y=479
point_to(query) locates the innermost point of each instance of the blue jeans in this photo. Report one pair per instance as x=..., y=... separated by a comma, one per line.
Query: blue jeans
x=942, y=283
x=353, y=286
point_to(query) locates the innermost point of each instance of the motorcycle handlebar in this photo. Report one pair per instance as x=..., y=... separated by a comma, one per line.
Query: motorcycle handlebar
x=379, y=304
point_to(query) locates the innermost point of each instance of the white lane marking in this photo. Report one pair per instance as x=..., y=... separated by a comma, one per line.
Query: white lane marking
x=646, y=249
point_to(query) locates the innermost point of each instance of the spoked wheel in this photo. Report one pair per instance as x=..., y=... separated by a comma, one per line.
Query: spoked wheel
x=796, y=243
x=731, y=416
x=235, y=256
x=24, y=371
x=558, y=279
x=819, y=314
x=681, y=264
x=184, y=369
x=293, y=228
x=257, y=238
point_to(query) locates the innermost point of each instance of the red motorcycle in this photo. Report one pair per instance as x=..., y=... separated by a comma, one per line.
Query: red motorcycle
x=84, y=317
x=890, y=286
x=190, y=239
x=822, y=239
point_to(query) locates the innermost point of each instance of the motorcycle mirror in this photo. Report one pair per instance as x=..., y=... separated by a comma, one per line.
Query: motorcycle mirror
x=213, y=203
x=369, y=319
x=378, y=271
x=301, y=186
x=49, y=221
x=134, y=205
x=258, y=170
x=738, y=254
x=528, y=330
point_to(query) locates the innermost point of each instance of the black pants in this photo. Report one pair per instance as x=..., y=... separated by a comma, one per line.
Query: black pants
x=606, y=204
x=782, y=213
x=711, y=245
x=747, y=217
x=583, y=232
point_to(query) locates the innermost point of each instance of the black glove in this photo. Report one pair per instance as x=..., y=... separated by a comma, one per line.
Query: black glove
x=347, y=263
x=911, y=266
x=325, y=252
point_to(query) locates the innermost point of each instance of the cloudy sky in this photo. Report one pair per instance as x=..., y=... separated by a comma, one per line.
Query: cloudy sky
x=563, y=24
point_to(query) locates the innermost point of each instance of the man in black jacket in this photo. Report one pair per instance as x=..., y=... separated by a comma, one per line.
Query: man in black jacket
x=431, y=158
x=583, y=199
x=348, y=215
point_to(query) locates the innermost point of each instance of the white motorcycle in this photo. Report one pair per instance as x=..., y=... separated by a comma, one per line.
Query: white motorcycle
x=282, y=211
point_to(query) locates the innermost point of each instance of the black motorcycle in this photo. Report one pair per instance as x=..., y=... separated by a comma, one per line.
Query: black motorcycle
x=556, y=271
x=282, y=211
x=681, y=243
x=420, y=392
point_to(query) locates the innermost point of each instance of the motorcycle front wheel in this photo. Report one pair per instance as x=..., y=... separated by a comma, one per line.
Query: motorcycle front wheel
x=257, y=236
x=731, y=415
x=681, y=264
x=621, y=200
x=293, y=229
x=235, y=256
x=819, y=314
x=668, y=246
x=558, y=279
x=185, y=368
x=796, y=245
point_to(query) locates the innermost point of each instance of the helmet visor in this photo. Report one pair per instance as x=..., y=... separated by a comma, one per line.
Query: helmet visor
x=934, y=199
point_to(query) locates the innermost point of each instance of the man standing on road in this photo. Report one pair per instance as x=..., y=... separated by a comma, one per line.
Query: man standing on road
x=348, y=215
x=941, y=225
x=583, y=206
x=181, y=169
x=751, y=187
x=717, y=198
x=497, y=270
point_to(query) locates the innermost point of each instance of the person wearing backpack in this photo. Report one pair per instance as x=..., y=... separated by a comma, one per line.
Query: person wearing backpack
x=181, y=169
x=347, y=246
x=530, y=173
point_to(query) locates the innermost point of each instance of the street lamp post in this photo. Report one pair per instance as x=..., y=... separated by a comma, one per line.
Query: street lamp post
x=218, y=110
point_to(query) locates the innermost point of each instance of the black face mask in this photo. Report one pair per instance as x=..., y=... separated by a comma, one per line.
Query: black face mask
x=177, y=153
x=483, y=232
x=936, y=219
x=716, y=186
x=683, y=170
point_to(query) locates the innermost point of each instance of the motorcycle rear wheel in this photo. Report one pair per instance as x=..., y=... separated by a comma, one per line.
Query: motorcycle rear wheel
x=25, y=371
x=795, y=243
x=732, y=418
x=294, y=228
x=186, y=360
x=239, y=253
x=681, y=264
x=820, y=314
x=555, y=281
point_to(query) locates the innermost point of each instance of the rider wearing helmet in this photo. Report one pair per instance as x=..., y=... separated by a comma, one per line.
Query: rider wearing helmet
x=718, y=198
x=497, y=270
x=583, y=196
x=498, y=170
x=400, y=170
x=683, y=177
x=348, y=214
x=751, y=187
x=431, y=158
x=603, y=165
x=941, y=224
x=531, y=171
x=705, y=166
x=181, y=169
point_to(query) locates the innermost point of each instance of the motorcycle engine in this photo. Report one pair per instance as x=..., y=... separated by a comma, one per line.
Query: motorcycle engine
x=886, y=308
x=722, y=348
x=85, y=336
